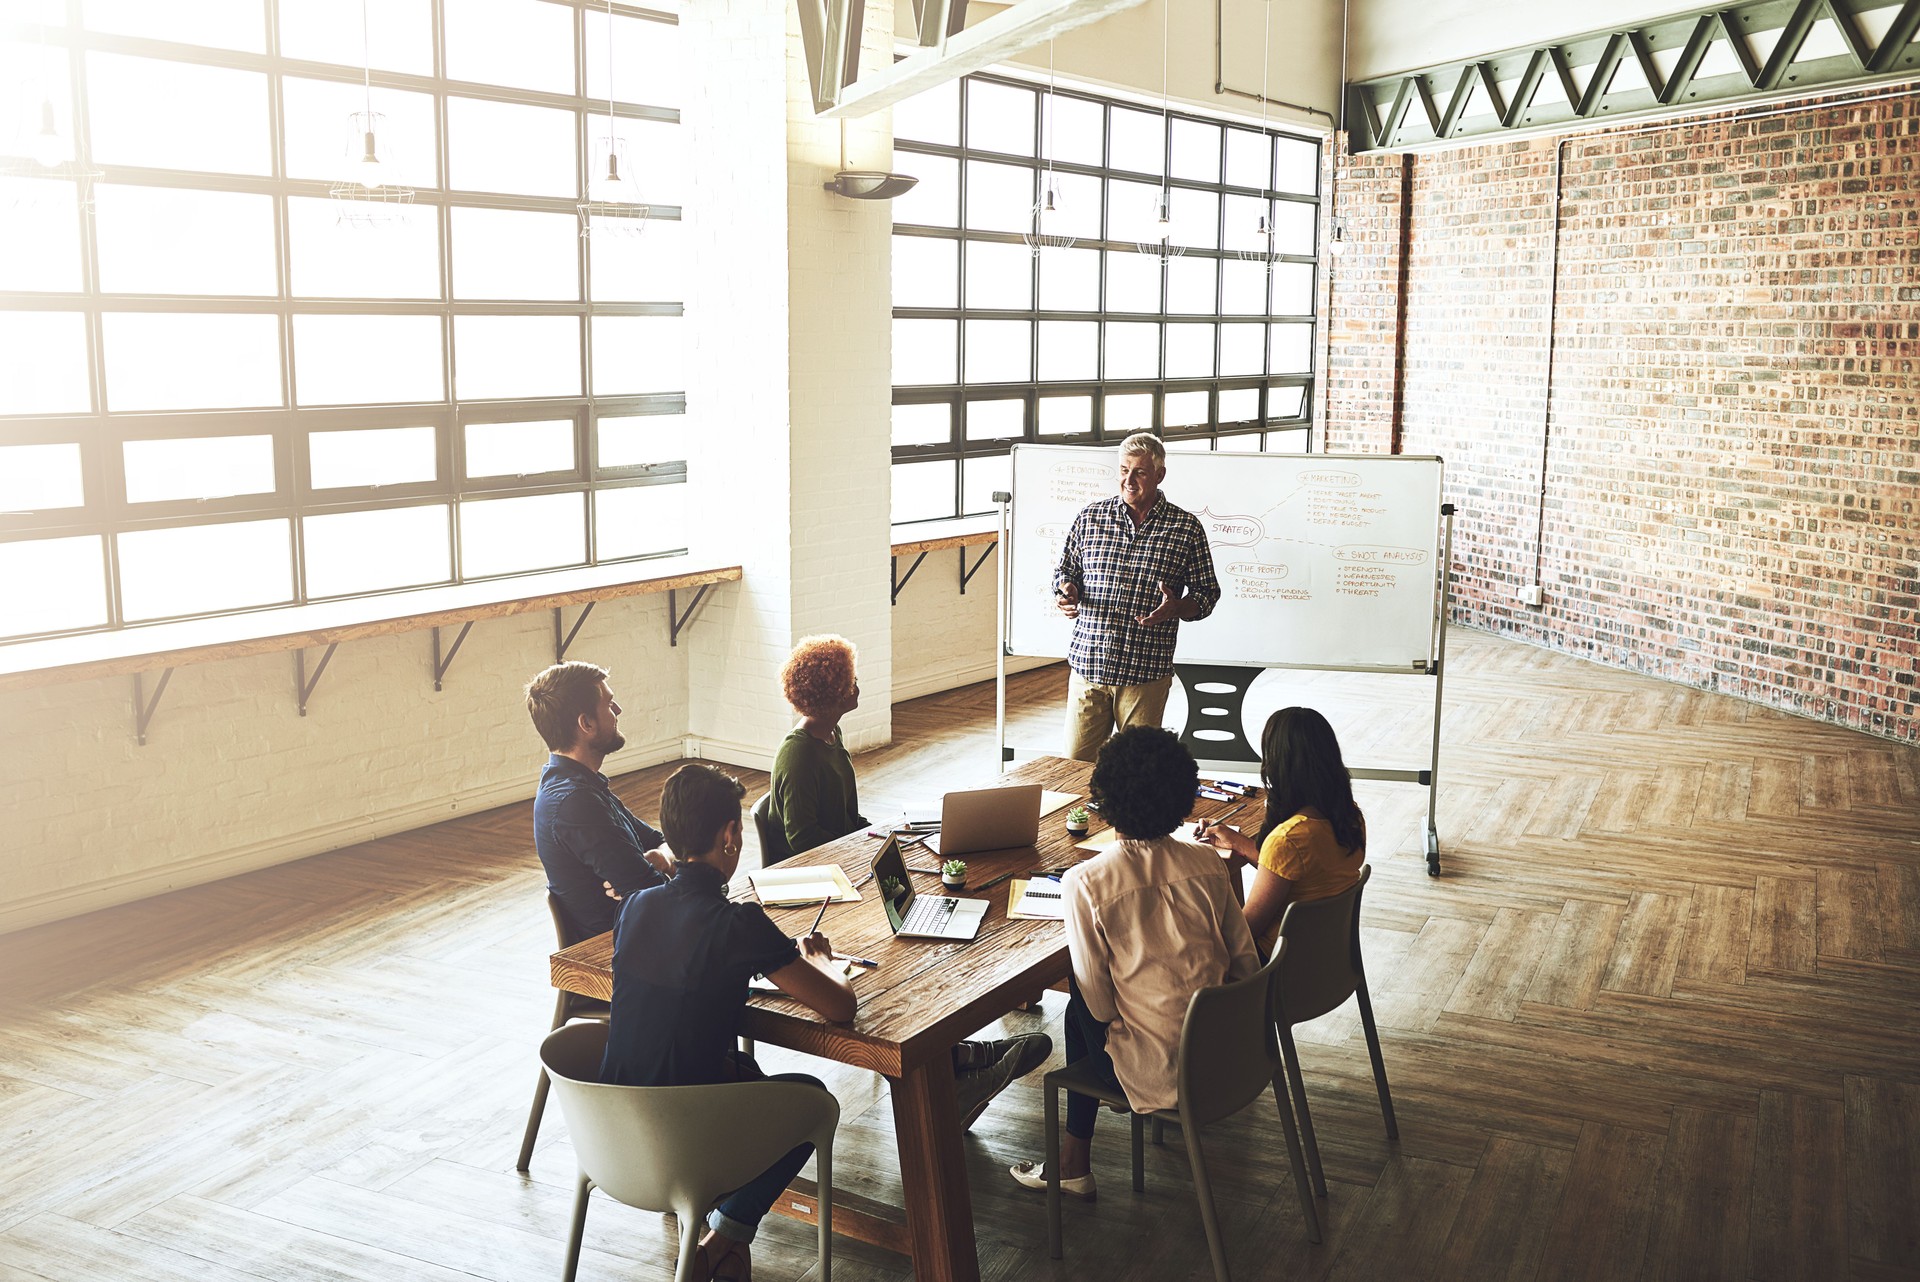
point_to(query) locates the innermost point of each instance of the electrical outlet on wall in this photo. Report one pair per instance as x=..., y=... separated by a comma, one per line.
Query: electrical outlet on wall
x=1530, y=594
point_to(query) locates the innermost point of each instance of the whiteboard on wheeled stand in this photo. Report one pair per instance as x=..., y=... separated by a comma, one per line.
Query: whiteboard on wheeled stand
x=1324, y=560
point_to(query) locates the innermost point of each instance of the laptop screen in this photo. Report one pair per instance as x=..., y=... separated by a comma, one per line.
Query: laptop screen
x=896, y=888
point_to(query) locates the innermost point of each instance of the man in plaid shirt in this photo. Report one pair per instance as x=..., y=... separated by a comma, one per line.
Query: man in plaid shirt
x=1133, y=567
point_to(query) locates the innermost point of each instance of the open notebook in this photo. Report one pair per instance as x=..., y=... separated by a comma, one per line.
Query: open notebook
x=785, y=885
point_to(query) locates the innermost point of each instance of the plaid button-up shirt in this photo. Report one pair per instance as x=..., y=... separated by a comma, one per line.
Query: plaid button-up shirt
x=1119, y=568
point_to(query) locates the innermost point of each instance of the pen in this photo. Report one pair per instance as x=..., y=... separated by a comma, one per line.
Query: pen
x=1208, y=823
x=868, y=962
x=822, y=913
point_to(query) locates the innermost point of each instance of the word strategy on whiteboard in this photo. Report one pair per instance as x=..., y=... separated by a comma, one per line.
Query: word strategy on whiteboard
x=1254, y=563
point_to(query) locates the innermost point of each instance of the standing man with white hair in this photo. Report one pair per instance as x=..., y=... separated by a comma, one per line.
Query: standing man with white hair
x=1134, y=566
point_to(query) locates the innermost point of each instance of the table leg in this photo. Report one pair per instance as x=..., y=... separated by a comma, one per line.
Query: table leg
x=933, y=1173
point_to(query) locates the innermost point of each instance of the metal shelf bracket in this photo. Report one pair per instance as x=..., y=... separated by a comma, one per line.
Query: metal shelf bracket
x=562, y=635
x=442, y=662
x=302, y=683
x=966, y=575
x=900, y=580
x=143, y=707
x=676, y=621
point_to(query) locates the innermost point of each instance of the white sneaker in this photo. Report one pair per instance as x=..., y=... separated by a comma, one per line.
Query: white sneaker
x=1034, y=1176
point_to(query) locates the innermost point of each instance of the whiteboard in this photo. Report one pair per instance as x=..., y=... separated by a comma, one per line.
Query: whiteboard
x=1324, y=560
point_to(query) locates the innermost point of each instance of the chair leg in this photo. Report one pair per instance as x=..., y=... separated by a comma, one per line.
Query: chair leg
x=1139, y=1154
x=1299, y=1085
x=1053, y=1172
x=746, y=1047
x=533, y=1122
x=1159, y=1130
x=1203, y=1192
x=823, y=1179
x=690, y=1224
x=1295, y=1160
x=1379, y=1064
x=579, y=1230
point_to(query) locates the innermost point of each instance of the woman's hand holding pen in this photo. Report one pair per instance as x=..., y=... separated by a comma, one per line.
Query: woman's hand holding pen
x=1216, y=833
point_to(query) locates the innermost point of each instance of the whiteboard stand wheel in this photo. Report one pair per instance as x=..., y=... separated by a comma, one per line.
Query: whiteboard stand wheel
x=1433, y=853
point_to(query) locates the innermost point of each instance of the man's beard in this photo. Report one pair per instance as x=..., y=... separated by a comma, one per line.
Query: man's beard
x=610, y=745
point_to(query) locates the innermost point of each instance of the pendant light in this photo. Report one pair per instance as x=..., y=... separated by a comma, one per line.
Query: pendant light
x=1261, y=251
x=1162, y=244
x=613, y=206
x=366, y=195
x=1044, y=221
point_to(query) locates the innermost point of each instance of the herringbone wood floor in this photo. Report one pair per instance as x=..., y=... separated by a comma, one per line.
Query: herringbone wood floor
x=1659, y=1018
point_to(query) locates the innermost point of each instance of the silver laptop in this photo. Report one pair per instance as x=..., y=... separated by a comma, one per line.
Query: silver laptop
x=987, y=819
x=921, y=916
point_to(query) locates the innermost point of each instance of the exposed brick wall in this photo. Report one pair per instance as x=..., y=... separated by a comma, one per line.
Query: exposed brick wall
x=1732, y=462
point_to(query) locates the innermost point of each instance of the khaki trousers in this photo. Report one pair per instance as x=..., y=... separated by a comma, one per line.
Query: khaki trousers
x=1094, y=712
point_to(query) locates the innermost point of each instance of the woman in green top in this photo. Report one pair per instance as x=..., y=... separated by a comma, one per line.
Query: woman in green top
x=813, y=798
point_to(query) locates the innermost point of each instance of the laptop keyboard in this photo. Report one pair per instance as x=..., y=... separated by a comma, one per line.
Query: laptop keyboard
x=929, y=914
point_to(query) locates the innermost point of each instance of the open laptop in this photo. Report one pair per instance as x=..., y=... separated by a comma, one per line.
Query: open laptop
x=987, y=819
x=921, y=916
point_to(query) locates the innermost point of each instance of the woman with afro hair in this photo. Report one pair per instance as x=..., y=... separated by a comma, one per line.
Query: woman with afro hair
x=813, y=798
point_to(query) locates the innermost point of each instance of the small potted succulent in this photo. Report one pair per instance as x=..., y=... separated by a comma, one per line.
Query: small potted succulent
x=953, y=874
x=1077, y=820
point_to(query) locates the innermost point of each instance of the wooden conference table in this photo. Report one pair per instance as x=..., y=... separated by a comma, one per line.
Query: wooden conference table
x=924, y=996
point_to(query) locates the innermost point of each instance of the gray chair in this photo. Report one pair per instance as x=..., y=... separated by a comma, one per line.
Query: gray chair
x=1228, y=1057
x=773, y=841
x=681, y=1148
x=566, y=1008
x=1320, y=940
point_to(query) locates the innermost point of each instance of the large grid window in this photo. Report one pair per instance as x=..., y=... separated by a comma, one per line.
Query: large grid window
x=217, y=394
x=995, y=343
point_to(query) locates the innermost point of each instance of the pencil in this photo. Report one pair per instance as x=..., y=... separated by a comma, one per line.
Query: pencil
x=1209, y=823
x=819, y=915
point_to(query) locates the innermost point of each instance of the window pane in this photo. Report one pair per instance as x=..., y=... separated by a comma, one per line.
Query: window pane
x=1133, y=350
x=1185, y=410
x=43, y=363
x=1069, y=351
x=1139, y=141
x=1132, y=210
x=930, y=116
x=1196, y=218
x=999, y=118
x=1242, y=350
x=1243, y=222
x=1285, y=402
x=1297, y=166
x=935, y=200
x=980, y=477
x=172, y=115
x=373, y=456
x=508, y=253
x=324, y=143
x=1076, y=129
x=1076, y=206
x=332, y=259
x=924, y=351
x=39, y=478
x=1243, y=288
x=640, y=440
x=206, y=467
x=399, y=33
x=999, y=351
x=504, y=536
x=519, y=449
x=160, y=240
x=368, y=360
x=39, y=212
x=1066, y=416
x=221, y=24
x=999, y=197
x=1293, y=227
x=999, y=276
x=396, y=547
x=498, y=357
x=1290, y=442
x=158, y=361
x=646, y=60
x=649, y=268
x=639, y=520
x=1191, y=284
x=1070, y=280
x=1190, y=445
x=923, y=491
x=1133, y=282
x=521, y=43
x=1249, y=159
x=633, y=354
x=996, y=420
x=1241, y=405
x=164, y=572
x=1293, y=289
x=53, y=585
x=1291, y=351
x=1196, y=151
x=926, y=272
x=1190, y=351
x=499, y=146
x=1132, y=412
x=922, y=424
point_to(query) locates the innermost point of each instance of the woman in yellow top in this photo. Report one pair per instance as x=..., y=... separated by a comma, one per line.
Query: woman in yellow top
x=1313, y=838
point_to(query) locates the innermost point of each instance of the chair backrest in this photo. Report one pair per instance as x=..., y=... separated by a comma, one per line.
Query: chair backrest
x=671, y=1148
x=1323, y=954
x=563, y=927
x=1228, y=1053
x=773, y=840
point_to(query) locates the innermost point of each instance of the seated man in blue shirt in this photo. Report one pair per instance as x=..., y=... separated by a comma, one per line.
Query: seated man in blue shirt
x=594, y=849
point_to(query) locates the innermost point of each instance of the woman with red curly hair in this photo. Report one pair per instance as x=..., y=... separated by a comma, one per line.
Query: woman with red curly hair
x=813, y=798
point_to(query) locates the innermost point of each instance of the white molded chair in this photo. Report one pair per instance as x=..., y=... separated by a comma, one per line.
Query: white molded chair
x=679, y=1148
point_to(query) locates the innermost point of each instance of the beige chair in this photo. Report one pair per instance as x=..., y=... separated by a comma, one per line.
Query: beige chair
x=1320, y=940
x=681, y=1148
x=773, y=841
x=566, y=1008
x=1228, y=1057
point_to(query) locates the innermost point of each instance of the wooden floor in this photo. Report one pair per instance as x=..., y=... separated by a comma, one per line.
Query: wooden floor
x=1659, y=1018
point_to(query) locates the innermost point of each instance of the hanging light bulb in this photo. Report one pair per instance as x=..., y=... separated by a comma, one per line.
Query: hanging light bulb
x=612, y=206
x=609, y=186
x=49, y=148
x=369, y=172
x=1162, y=246
x=1043, y=223
x=1337, y=244
x=367, y=193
